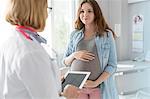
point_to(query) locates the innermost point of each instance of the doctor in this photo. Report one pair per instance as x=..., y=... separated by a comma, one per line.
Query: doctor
x=26, y=70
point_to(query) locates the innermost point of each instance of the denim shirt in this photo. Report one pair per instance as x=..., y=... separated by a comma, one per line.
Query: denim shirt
x=107, y=58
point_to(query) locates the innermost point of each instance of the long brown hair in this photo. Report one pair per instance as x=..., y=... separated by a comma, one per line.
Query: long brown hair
x=101, y=25
x=29, y=13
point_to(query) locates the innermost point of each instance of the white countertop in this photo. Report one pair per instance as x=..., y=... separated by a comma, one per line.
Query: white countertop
x=132, y=66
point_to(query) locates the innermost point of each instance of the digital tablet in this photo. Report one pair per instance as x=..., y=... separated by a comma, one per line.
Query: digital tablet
x=76, y=78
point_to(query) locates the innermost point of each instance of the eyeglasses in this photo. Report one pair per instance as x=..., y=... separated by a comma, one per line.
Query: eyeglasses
x=49, y=9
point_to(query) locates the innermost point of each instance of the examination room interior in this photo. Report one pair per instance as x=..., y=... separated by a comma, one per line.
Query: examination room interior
x=130, y=19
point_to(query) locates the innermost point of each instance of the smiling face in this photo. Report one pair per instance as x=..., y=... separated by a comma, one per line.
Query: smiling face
x=87, y=14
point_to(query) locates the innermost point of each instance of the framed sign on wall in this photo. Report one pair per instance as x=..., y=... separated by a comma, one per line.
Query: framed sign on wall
x=137, y=33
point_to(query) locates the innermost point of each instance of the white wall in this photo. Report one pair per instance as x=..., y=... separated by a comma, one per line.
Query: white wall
x=104, y=5
x=115, y=12
x=140, y=8
x=119, y=12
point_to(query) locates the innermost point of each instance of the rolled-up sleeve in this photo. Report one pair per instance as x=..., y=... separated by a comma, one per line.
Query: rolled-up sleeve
x=112, y=59
x=69, y=49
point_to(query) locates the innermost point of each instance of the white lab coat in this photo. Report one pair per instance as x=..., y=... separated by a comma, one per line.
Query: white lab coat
x=26, y=71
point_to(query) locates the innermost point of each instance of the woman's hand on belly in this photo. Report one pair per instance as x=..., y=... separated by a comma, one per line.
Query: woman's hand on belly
x=84, y=55
x=90, y=84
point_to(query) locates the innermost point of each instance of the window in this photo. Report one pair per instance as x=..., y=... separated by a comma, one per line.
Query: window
x=59, y=25
x=62, y=23
x=3, y=24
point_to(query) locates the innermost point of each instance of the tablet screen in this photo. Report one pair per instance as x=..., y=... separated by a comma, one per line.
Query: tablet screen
x=76, y=78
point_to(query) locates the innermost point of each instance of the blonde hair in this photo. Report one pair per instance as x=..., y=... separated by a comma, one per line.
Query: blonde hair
x=29, y=13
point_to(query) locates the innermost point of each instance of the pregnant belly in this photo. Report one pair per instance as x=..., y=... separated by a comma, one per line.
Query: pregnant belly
x=90, y=66
x=80, y=65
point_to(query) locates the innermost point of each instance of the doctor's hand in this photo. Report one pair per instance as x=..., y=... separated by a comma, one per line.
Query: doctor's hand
x=71, y=92
x=84, y=55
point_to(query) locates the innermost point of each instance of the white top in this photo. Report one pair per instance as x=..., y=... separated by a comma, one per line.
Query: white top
x=26, y=71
